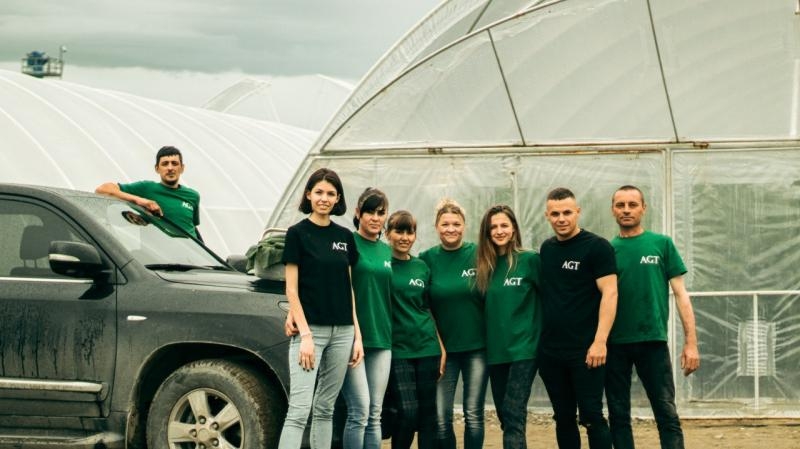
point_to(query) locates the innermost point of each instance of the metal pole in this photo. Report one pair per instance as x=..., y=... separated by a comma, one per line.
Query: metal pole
x=755, y=352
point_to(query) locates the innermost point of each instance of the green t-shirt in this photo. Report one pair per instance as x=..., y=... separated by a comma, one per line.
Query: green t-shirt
x=456, y=303
x=413, y=328
x=372, y=286
x=180, y=205
x=645, y=264
x=513, y=310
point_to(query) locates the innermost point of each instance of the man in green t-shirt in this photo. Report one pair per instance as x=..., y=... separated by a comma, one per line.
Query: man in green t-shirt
x=647, y=265
x=167, y=198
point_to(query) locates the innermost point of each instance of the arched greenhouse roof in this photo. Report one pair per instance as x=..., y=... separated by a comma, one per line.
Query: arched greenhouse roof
x=580, y=71
x=65, y=135
x=697, y=102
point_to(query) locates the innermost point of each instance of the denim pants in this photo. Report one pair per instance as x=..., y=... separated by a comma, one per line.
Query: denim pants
x=511, y=389
x=472, y=367
x=570, y=384
x=363, y=390
x=333, y=347
x=413, y=387
x=654, y=368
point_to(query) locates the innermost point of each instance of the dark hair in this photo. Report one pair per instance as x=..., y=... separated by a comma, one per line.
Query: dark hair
x=628, y=187
x=371, y=200
x=487, y=250
x=328, y=175
x=560, y=193
x=168, y=151
x=400, y=221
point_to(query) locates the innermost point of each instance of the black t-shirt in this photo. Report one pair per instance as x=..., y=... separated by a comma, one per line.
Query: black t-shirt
x=323, y=255
x=570, y=298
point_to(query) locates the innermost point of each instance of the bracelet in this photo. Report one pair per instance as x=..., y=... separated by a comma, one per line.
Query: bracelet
x=306, y=334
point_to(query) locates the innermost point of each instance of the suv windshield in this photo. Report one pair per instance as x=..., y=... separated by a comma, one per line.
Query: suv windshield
x=153, y=241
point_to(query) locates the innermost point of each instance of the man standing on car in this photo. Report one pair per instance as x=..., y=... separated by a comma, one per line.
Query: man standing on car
x=579, y=300
x=648, y=264
x=168, y=198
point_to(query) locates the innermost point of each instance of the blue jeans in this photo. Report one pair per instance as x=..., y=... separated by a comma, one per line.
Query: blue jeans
x=363, y=390
x=472, y=367
x=511, y=389
x=333, y=346
x=654, y=368
x=571, y=385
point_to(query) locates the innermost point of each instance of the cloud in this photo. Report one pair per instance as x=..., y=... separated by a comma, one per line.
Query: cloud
x=340, y=38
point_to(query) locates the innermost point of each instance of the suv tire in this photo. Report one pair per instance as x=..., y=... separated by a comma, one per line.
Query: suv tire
x=215, y=403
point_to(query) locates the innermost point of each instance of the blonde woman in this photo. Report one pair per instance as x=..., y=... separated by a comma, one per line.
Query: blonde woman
x=458, y=309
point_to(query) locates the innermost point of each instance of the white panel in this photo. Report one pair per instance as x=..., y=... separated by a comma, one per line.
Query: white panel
x=456, y=96
x=585, y=71
x=732, y=67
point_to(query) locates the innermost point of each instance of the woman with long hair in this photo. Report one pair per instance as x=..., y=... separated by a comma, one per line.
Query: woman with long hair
x=458, y=309
x=365, y=384
x=318, y=255
x=508, y=277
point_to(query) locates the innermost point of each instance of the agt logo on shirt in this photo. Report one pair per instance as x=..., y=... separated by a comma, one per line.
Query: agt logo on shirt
x=571, y=265
x=387, y=264
x=416, y=282
x=649, y=260
x=512, y=282
x=339, y=246
x=187, y=205
x=468, y=273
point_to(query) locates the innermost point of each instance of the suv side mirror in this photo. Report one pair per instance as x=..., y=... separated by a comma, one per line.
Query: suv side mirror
x=75, y=259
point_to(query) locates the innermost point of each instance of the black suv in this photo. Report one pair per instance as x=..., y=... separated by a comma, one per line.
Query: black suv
x=119, y=330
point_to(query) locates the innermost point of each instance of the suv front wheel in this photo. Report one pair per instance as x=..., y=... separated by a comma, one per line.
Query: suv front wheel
x=214, y=404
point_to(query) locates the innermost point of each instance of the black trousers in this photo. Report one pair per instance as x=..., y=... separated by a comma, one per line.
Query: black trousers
x=572, y=385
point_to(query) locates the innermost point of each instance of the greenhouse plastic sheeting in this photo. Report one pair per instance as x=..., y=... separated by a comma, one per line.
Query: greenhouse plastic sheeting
x=586, y=71
x=695, y=101
x=733, y=215
x=66, y=135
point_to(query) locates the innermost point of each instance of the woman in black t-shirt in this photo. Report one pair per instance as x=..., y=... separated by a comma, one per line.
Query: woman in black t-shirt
x=318, y=255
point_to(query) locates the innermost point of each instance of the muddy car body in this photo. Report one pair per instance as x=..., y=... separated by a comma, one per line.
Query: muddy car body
x=119, y=330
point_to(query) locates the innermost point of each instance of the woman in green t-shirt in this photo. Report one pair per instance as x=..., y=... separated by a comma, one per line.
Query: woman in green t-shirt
x=417, y=355
x=508, y=277
x=365, y=384
x=458, y=309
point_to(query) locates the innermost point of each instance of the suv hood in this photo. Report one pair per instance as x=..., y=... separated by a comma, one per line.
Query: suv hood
x=209, y=278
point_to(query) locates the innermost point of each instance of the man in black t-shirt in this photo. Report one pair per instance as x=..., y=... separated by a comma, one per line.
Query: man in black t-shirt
x=579, y=301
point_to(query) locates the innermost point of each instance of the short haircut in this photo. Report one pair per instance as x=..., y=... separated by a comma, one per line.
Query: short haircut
x=400, y=221
x=628, y=187
x=449, y=206
x=328, y=175
x=560, y=193
x=168, y=151
x=371, y=200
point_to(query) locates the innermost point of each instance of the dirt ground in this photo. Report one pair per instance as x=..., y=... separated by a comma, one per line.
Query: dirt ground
x=698, y=433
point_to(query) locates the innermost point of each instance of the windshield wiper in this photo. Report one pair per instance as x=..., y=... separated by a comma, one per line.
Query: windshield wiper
x=175, y=267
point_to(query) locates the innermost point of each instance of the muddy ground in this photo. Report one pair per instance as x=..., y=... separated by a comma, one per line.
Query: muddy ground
x=698, y=433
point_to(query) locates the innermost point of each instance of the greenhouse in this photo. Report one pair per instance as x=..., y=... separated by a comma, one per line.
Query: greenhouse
x=697, y=102
x=67, y=135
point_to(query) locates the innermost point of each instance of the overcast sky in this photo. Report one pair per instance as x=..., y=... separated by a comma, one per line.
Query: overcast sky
x=338, y=38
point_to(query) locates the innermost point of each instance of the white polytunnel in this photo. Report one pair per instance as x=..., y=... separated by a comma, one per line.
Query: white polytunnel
x=697, y=102
x=66, y=135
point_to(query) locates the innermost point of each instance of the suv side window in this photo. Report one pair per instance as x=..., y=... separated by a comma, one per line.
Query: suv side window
x=27, y=230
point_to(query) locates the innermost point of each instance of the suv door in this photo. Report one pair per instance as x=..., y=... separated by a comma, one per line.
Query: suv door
x=57, y=334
